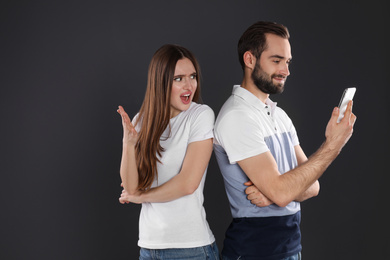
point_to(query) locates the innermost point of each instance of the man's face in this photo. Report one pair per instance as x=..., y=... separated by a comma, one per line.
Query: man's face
x=271, y=70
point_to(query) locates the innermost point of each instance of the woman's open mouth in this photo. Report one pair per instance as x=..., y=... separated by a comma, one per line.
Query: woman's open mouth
x=185, y=98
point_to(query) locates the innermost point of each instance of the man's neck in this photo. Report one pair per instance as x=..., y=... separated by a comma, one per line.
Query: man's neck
x=251, y=87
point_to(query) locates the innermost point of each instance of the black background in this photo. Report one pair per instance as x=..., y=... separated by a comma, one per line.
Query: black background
x=67, y=65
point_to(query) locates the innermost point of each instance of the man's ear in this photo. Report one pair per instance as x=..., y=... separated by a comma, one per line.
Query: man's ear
x=249, y=60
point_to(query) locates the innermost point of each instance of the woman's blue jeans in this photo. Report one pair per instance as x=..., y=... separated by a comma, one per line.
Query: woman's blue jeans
x=209, y=252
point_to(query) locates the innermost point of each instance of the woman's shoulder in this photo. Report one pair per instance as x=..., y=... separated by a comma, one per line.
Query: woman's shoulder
x=199, y=108
x=197, y=112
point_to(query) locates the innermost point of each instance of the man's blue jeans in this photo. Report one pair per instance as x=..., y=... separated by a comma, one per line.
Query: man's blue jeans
x=294, y=257
x=209, y=252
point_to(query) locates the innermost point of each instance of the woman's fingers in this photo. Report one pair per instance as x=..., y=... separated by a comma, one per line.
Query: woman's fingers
x=126, y=120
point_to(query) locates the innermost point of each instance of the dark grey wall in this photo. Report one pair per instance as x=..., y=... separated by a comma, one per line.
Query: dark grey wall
x=67, y=65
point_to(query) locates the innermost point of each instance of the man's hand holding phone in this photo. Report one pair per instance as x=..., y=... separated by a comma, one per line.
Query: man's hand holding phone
x=338, y=132
x=345, y=99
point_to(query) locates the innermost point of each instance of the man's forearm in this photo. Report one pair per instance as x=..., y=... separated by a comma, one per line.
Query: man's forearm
x=299, y=183
x=310, y=192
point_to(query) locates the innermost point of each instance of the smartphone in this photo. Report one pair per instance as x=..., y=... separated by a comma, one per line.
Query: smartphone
x=345, y=98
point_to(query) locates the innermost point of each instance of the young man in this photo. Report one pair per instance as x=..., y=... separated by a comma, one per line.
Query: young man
x=256, y=143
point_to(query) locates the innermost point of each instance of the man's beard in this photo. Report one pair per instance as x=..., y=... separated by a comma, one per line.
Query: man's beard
x=263, y=81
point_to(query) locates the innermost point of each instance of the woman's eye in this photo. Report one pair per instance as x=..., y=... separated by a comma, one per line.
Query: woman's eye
x=193, y=76
x=178, y=79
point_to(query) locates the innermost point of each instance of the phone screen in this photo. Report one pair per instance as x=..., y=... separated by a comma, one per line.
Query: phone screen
x=345, y=98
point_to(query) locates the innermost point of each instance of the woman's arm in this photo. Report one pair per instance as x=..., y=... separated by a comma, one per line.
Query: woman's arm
x=186, y=182
x=128, y=169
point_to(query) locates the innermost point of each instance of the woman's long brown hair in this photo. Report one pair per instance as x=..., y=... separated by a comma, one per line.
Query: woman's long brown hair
x=155, y=111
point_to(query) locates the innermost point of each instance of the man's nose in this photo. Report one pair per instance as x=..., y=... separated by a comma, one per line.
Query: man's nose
x=285, y=70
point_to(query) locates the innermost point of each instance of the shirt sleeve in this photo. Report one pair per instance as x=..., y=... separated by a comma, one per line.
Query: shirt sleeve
x=294, y=136
x=290, y=128
x=138, y=126
x=202, y=124
x=240, y=135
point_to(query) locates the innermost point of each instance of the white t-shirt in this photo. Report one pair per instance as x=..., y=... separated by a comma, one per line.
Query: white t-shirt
x=180, y=223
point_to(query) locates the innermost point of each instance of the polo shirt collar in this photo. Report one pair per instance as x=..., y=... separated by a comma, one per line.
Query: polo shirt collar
x=252, y=99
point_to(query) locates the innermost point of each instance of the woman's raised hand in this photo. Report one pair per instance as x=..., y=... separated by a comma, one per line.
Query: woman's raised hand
x=130, y=135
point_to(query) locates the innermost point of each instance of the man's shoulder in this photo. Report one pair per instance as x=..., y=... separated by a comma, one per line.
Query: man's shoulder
x=234, y=105
x=232, y=113
x=236, y=119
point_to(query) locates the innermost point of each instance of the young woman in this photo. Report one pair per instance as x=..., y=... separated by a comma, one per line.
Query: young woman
x=166, y=151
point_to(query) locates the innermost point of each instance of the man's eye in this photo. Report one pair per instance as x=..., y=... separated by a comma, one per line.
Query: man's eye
x=277, y=61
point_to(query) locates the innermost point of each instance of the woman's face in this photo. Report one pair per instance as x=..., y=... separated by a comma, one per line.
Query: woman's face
x=183, y=87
